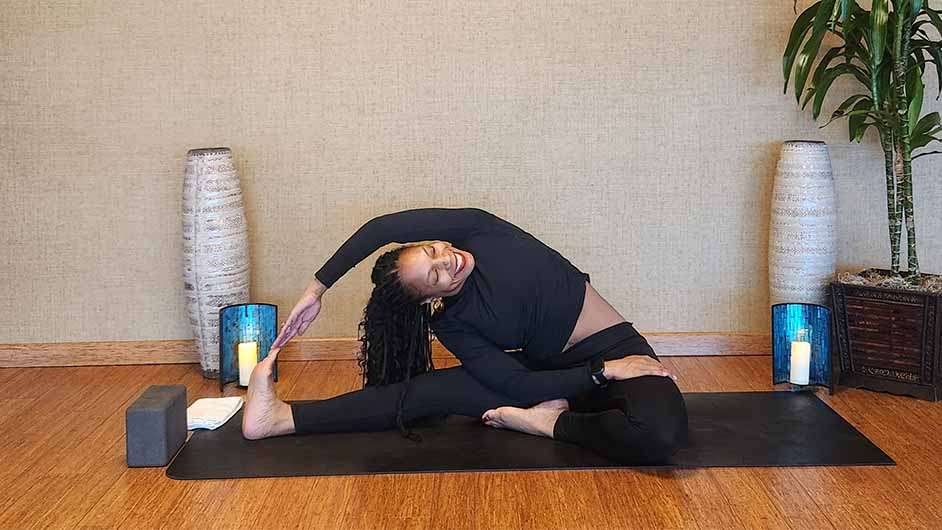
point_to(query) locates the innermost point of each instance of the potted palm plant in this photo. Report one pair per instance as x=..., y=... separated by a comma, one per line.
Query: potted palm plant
x=887, y=324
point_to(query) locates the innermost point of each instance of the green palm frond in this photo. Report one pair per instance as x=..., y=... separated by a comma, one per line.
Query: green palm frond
x=887, y=50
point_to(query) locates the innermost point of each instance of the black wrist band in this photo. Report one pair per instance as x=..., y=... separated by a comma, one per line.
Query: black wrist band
x=597, y=369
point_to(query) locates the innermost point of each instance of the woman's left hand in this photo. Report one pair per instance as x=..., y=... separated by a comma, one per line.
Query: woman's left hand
x=634, y=366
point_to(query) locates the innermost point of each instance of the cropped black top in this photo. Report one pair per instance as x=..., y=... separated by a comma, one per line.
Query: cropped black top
x=521, y=295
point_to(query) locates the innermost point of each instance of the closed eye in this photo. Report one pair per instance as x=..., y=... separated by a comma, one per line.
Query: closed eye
x=430, y=251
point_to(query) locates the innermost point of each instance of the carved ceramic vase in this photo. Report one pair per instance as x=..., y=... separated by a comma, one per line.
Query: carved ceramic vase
x=215, y=247
x=803, y=234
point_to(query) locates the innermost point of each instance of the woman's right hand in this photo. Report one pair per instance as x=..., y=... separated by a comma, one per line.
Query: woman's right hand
x=634, y=366
x=304, y=312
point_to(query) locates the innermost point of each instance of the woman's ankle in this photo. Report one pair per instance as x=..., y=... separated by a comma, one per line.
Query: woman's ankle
x=559, y=428
x=284, y=419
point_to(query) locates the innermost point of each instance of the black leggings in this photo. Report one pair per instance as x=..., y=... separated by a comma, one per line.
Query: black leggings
x=642, y=420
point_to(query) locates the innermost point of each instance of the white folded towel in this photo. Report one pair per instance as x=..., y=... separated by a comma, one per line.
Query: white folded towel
x=210, y=413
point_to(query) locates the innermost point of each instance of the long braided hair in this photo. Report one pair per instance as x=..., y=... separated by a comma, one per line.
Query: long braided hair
x=394, y=333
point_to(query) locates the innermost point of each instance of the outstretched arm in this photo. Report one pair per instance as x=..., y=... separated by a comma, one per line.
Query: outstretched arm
x=499, y=371
x=419, y=224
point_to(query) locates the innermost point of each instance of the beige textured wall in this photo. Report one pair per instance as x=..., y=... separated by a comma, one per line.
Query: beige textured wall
x=637, y=138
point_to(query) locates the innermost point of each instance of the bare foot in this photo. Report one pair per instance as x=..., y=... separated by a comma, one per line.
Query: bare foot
x=265, y=415
x=537, y=420
x=561, y=403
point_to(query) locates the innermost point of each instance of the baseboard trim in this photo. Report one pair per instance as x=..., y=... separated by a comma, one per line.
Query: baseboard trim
x=328, y=349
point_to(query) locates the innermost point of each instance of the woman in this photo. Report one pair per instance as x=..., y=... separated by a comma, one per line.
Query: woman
x=541, y=351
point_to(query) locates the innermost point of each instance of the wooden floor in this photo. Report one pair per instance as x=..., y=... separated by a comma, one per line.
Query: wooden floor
x=62, y=445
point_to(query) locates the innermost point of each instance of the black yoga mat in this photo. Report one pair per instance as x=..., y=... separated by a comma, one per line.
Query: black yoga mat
x=728, y=429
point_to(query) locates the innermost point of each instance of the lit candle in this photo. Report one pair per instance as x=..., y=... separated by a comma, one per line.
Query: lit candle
x=248, y=358
x=801, y=362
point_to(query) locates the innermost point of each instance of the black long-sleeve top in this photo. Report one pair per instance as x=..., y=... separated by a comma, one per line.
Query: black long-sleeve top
x=522, y=294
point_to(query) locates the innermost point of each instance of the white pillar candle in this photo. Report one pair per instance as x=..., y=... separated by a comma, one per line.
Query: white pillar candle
x=248, y=358
x=801, y=362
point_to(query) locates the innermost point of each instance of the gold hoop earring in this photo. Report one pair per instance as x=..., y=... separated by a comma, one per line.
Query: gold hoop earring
x=436, y=304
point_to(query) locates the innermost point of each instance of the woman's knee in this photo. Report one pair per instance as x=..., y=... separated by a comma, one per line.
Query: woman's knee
x=667, y=435
x=651, y=441
x=657, y=426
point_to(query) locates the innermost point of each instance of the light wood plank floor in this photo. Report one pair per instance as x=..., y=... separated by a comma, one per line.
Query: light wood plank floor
x=62, y=445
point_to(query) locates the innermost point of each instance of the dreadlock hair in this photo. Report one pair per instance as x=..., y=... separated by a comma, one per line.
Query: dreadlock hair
x=394, y=333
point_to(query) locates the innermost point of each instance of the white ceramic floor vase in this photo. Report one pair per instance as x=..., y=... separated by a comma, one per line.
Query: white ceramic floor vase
x=215, y=247
x=803, y=233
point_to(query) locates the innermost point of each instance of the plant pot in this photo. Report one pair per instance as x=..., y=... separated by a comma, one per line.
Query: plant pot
x=888, y=339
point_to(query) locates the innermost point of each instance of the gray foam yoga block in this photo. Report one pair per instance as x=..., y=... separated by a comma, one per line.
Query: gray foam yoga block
x=156, y=425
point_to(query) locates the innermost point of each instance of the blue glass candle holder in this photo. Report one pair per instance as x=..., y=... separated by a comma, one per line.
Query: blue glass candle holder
x=246, y=333
x=801, y=345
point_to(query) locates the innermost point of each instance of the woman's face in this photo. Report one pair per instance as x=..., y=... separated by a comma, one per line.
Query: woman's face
x=435, y=268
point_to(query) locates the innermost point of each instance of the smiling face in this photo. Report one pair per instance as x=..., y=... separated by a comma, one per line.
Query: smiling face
x=435, y=268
